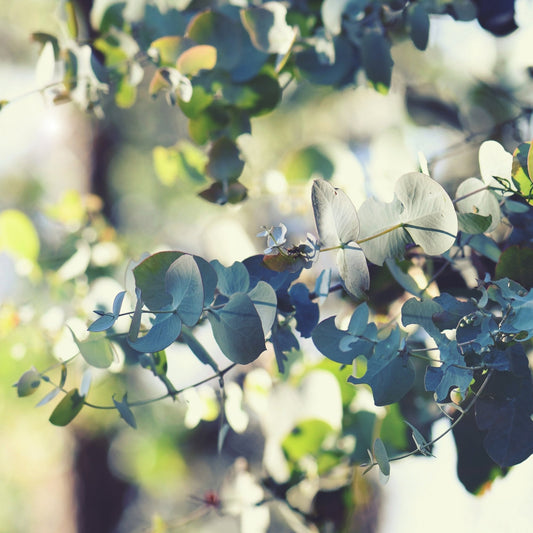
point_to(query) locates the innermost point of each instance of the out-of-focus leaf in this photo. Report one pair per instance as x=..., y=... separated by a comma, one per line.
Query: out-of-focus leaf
x=377, y=60
x=28, y=383
x=49, y=397
x=516, y=263
x=268, y=28
x=299, y=165
x=419, y=26
x=124, y=411
x=96, y=351
x=166, y=50
x=225, y=163
x=67, y=409
x=179, y=162
x=318, y=71
x=305, y=439
x=234, y=193
x=18, y=235
x=221, y=32
x=196, y=58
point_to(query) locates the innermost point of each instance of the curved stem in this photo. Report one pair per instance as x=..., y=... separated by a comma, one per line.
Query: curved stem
x=138, y=403
x=459, y=418
x=381, y=233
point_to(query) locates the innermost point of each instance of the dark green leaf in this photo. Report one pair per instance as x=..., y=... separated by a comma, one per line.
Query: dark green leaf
x=67, y=409
x=516, y=263
x=222, y=193
x=377, y=60
x=238, y=330
x=473, y=223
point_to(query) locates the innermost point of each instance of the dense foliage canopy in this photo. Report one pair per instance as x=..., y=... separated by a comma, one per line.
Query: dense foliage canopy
x=424, y=300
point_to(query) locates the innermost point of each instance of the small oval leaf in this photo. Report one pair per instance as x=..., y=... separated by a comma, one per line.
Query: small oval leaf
x=67, y=409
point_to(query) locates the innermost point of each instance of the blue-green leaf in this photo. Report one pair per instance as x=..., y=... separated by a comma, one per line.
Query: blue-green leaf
x=419, y=26
x=265, y=301
x=404, y=279
x=389, y=372
x=231, y=279
x=307, y=312
x=359, y=320
x=238, y=330
x=124, y=411
x=108, y=319
x=448, y=376
x=382, y=458
x=184, y=283
x=421, y=312
x=268, y=28
x=322, y=285
x=165, y=330
x=284, y=341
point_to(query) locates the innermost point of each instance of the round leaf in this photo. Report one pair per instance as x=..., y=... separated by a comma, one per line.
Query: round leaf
x=184, y=283
x=28, y=382
x=225, y=163
x=238, y=330
x=335, y=215
x=473, y=197
x=196, y=58
x=421, y=211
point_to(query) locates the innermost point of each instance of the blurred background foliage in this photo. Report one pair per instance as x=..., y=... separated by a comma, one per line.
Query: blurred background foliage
x=82, y=195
